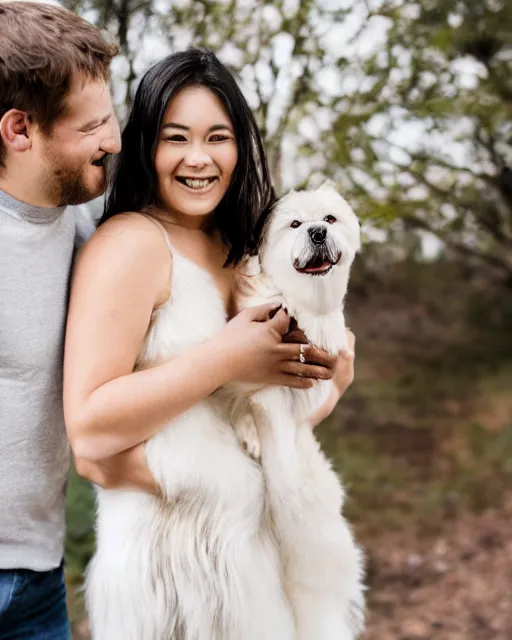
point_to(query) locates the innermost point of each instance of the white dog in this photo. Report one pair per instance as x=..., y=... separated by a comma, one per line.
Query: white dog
x=307, y=247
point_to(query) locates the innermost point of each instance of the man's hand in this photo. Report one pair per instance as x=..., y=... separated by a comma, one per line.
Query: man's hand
x=342, y=379
x=344, y=369
x=126, y=470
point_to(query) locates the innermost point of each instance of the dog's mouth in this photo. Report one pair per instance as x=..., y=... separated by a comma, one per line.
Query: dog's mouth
x=319, y=265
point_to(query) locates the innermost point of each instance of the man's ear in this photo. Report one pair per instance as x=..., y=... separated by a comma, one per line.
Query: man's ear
x=16, y=128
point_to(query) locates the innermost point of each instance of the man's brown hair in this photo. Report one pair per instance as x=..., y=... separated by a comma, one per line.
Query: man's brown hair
x=43, y=48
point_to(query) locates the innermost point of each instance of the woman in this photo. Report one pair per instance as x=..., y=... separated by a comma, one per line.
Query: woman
x=149, y=335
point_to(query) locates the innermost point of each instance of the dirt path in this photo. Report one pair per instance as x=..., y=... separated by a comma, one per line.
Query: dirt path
x=456, y=586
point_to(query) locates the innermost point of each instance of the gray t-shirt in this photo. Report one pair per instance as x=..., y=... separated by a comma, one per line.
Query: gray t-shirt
x=36, y=253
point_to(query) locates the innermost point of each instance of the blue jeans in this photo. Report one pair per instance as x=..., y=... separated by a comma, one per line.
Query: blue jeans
x=33, y=605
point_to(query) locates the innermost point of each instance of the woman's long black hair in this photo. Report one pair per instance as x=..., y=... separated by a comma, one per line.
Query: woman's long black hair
x=134, y=182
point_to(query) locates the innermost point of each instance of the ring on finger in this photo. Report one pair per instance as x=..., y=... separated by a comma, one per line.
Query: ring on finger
x=302, y=357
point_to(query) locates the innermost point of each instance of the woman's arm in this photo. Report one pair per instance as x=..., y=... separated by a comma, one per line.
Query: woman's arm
x=121, y=276
x=341, y=380
x=129, y=468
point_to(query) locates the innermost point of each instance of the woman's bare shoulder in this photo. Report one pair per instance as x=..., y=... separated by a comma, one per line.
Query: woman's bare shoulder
x=125, y=244
x=127, y=232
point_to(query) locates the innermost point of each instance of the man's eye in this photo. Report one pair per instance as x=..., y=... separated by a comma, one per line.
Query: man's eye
x=91, y=129
x=96, y=126
x=295, y=224
x=330, y=219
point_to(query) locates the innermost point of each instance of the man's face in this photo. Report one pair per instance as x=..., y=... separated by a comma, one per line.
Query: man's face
x=71, y=157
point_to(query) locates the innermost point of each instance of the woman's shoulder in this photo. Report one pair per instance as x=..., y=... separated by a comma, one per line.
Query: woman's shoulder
x=126, y=244
x=129, y=225
x=129, y=232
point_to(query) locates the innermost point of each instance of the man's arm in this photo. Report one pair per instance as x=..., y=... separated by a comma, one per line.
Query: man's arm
x=125, y=470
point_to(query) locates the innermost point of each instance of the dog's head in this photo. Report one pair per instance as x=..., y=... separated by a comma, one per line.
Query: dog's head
x=308, y=244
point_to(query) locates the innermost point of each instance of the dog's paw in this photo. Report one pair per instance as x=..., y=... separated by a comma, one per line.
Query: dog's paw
x=247, y=435
x=252, y=447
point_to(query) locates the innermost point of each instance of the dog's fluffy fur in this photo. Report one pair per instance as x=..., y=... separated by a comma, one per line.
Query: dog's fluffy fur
x=237, y=550
x=308, y=245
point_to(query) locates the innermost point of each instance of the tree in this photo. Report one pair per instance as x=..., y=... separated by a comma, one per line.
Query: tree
x=119, y=18
x=281, y=50
x=406, y=102
x=429, y=141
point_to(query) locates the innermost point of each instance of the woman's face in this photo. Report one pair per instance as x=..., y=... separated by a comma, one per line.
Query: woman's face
x=195, y=156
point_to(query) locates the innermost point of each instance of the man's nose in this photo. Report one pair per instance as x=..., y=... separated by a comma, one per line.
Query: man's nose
x=112, y=141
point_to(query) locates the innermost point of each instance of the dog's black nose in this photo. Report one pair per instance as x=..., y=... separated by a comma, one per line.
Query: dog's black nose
x=317, y=234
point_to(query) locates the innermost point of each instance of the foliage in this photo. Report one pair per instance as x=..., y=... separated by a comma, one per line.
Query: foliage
x=428, y=139
x=407, y=103
x=278, y=49
x=79, y=524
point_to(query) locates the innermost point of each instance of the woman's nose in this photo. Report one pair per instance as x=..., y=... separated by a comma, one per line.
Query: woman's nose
x=196, y=156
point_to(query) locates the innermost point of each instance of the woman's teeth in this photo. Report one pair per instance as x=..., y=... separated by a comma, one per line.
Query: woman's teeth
x=195, y=183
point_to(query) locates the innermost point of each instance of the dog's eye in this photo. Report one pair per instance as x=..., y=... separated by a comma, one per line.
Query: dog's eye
x=330, y=219
x=295, y=224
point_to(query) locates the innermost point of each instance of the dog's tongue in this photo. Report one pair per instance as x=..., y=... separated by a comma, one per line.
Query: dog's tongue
x=317, y=268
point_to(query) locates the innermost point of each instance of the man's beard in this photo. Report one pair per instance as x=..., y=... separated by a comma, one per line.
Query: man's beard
x=67, y=186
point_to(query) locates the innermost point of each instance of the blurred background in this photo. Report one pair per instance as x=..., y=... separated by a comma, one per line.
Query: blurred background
x=407, y=104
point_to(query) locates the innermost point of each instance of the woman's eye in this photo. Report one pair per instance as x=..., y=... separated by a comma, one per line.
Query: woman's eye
x=218, y=138
x=330, y=219
x=177, y=138
x=295, y=224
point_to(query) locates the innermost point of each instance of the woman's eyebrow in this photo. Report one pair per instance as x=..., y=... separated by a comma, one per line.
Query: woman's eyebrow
x=215, y=127
x=175, y=125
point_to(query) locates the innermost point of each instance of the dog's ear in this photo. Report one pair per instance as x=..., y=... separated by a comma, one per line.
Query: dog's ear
x=329, y=185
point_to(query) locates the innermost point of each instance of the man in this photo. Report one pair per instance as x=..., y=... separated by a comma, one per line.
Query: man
x=57, y=127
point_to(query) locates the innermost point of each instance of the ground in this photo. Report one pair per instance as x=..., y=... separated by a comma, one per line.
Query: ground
x=452, y=586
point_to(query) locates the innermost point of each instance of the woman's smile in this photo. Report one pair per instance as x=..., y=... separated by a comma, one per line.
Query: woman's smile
x=198, y=186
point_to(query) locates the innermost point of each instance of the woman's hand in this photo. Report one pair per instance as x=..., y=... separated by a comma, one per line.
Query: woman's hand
x=257, y=353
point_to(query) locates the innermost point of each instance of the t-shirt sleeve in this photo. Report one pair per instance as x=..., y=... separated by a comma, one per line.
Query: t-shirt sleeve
x=87, y=217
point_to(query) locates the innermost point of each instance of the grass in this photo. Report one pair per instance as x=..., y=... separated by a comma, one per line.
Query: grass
x=413, y=465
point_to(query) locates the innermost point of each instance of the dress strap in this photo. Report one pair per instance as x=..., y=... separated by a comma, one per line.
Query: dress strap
x=169, y=246
x=162, y=229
